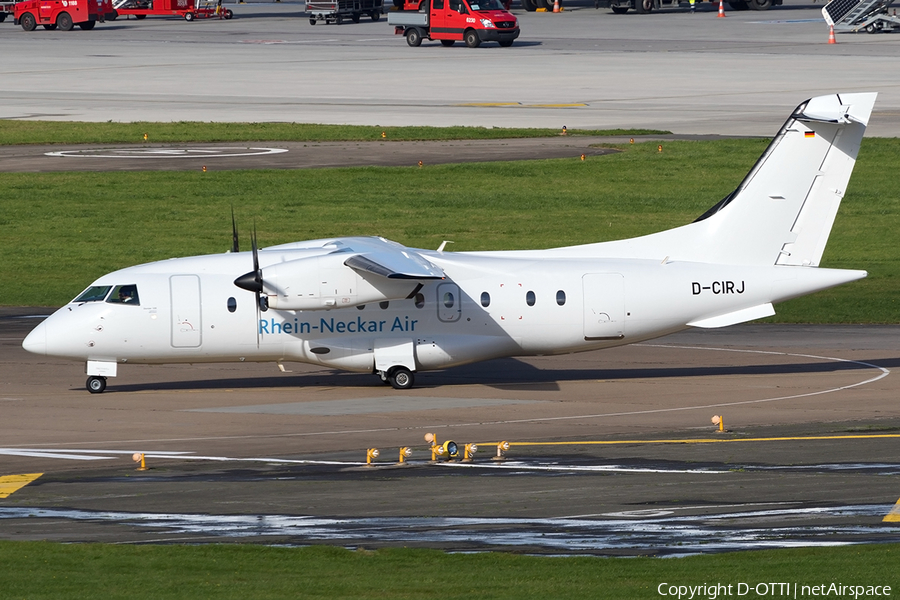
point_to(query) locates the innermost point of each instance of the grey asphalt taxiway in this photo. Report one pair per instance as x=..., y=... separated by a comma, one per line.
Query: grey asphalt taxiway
x=611, y=452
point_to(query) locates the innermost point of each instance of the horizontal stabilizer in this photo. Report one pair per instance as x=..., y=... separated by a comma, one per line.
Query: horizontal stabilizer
x=733, y=318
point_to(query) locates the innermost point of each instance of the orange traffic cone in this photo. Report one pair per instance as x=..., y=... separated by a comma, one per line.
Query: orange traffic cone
x=831, y=39
x=555, y=5
x=721, y=8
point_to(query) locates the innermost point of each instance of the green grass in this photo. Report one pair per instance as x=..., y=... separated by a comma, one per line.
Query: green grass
x=69, y=132
x=38, y=570
x=60, y=231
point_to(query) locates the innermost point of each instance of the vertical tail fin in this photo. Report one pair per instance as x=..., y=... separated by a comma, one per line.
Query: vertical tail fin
x=783, y=210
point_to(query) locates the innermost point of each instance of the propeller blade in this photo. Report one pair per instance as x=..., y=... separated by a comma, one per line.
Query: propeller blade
x=235, y=246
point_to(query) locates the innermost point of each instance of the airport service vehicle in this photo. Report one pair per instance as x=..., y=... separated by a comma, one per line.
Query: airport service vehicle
x=620, y=7
x=62, y=14
x=371, y=305
x=861, y=15
x=450, y=21
x=187, y=9
x=338, y=11
x=7, y=9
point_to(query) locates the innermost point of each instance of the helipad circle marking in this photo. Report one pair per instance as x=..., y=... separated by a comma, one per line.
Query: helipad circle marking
x=199, y=152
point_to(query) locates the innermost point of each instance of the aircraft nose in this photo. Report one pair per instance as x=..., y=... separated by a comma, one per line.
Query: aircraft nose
x=36, y=341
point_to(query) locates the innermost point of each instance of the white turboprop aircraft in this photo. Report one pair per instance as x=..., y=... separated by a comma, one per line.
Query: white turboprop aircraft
x=370, y=305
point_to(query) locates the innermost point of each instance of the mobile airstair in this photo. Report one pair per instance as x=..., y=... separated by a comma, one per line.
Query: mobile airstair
x=857, y=15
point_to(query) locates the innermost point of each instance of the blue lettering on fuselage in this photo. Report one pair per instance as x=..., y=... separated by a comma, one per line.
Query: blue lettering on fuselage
x=332, y=325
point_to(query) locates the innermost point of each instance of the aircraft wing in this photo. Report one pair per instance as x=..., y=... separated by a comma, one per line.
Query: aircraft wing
x=391, y=260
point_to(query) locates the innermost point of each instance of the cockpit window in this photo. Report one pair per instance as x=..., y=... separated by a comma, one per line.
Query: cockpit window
x=125, y=294
x=95, y=293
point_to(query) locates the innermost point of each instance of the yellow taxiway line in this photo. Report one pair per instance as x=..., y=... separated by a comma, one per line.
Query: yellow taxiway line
x=13, y=483
x=710, y=440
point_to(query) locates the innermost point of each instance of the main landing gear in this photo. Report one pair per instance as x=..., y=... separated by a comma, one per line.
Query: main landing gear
x=96, y=384
x=400, y=378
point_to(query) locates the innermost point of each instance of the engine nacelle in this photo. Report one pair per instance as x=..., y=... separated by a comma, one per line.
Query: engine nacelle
x=325, y=282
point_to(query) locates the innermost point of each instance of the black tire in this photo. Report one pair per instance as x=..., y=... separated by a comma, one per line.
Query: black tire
x=112, y=16
x=413, y=37
x=355, y=17
x=447, y=43
x=375, y=15
x=471, y=38
x=619, y=10
x=188, y=17
x=2, y=17
x=401, y=378
x=545, y=4
x=229, y=14
x=312, y=21
x=28, y=22
x=64, y=21
x=506, y=43
x=529, y=5
x=338, y=19
x=760, y=4
x=738, y=5
x=643, y=7
x=87, y=25
x=95, y=384
x=142, y=17
x=49, y=27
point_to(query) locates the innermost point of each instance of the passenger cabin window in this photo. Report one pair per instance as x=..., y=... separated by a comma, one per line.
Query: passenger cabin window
x=232, y=304
x=448, y=299
x=485, y=299
x=560, y=297
x=529, y=298
x=124, y=294
x=95, y=293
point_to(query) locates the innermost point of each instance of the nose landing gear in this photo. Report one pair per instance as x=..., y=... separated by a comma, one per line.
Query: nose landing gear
x=96, y=384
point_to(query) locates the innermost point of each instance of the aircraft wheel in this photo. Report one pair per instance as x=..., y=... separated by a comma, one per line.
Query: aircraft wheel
x=401, y=378
x=64, y=21
x=96, y=384
x=28, y=22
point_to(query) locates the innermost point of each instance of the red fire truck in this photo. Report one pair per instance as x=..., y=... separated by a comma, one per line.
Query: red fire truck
x=62, y=14
x=472, y=21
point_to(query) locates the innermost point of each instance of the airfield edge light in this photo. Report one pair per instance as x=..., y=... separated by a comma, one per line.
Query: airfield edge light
x=139, y=457
x=469, y=451
x=405, y=453
x=502, y=447
x=371, y=453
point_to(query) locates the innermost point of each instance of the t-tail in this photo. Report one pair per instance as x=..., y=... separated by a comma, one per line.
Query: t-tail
x=783, y=210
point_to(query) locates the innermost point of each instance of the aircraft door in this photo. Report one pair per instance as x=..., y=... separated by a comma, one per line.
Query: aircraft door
x=449, y=302
x=604, y=306
x=186, y=316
